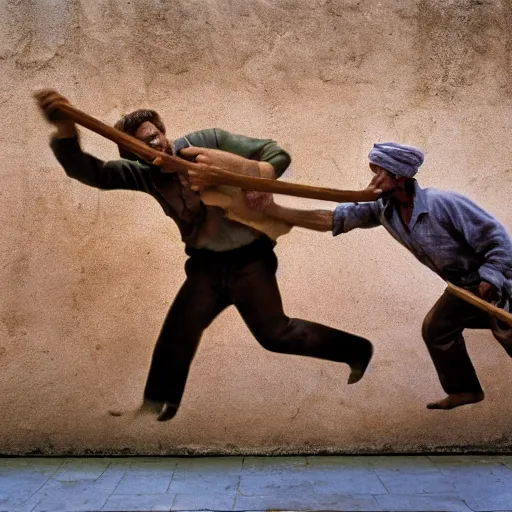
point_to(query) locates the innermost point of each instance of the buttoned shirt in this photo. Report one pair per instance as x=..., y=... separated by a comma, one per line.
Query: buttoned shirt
x=447, y=232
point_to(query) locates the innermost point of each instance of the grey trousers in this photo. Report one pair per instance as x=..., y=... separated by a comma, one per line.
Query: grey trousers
x=442, y=332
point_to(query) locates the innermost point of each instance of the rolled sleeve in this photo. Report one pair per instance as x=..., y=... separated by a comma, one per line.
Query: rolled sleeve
x=276, y=156
x=356, y=215
x=280, y=163
x=262, y=150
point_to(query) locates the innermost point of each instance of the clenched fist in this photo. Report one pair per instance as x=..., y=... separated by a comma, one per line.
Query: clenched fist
x=222, y=159
x=487, y=291
x=48, y=101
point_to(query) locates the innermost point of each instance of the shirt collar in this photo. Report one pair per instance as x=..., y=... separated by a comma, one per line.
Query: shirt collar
x=420, y=204
x=179, y=144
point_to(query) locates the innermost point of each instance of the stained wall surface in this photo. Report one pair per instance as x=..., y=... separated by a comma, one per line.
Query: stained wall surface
x=87, y=276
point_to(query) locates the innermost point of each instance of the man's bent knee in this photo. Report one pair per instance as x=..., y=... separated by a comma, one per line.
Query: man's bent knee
x=427, y=332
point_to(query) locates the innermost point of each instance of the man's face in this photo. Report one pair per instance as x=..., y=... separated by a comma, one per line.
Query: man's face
x=391, y=185
x=152, y=136
x=383, y=179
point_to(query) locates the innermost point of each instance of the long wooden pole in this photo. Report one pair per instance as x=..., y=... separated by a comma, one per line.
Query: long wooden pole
x=222, y=177
x=123, y=139
x=471, y=298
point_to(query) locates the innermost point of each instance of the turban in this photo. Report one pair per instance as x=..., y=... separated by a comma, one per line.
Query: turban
x=397, y=158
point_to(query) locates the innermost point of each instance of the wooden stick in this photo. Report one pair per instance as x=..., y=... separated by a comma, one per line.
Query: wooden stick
x=290, y=189
x=222, y=177
x=471, y=298
x=123, y=139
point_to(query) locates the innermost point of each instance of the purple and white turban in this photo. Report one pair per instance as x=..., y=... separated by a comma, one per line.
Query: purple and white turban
x=398, y=159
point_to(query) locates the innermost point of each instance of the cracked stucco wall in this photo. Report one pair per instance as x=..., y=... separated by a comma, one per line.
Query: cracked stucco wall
x=87, y=276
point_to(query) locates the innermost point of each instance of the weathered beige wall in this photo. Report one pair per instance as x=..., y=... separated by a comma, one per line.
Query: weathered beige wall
x=87, y=276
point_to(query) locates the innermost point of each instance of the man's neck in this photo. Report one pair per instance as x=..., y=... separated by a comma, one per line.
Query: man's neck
x=404, y=199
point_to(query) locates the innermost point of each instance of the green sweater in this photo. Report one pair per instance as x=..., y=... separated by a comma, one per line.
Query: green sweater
x=178, y=202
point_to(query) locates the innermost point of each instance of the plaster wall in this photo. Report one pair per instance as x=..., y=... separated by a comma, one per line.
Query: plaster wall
x=87, y=276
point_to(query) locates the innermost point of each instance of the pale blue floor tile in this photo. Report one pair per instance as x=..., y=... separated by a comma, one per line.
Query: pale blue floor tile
x=190, y=483
x=150, y=502
x=347, y=481
x=21, y=484
x=15, y=504
x=467, y=477
x=338, y=461
x=333, y=481
x=211, y=501
x=145, y=463
x=405, y=482
x=415, y=483
x=38, y=465
x=484, y=483
x=275, y=490
x=410, y=463
x=209, y=465
x=279, y=501
x=72, y=498
x=21, y=479
x=485, y=497
x=111, y=477
x=80, y=469
x=347, y=502
x=311, y=501
x=138, y=460
x=137, y=483
x=471, y=459
x=148, y=477
x=274, y=464
x=105, y=483
x=304, y=498
x=423, y=503
x=271, y=484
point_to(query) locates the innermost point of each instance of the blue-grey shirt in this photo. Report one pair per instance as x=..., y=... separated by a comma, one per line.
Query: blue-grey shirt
x=448, y=233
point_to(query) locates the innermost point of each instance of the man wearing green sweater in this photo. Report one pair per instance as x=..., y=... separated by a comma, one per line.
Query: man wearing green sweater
x=229, y=263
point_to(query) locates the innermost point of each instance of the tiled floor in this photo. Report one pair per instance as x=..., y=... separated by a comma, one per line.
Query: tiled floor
x=369, y=483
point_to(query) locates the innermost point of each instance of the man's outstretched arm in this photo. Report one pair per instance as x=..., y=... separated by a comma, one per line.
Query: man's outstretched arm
x=317, y=220
x=343, y=219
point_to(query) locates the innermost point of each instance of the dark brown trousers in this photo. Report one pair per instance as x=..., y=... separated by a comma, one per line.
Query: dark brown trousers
x=442, y=333
x=246, y=279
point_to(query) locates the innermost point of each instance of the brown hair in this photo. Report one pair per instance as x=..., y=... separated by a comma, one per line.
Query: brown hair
x=130, y=123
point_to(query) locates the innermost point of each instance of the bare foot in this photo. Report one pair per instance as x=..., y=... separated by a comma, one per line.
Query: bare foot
x=456, y=400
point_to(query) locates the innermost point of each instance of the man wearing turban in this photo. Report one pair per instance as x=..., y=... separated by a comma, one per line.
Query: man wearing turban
x=447, y=232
